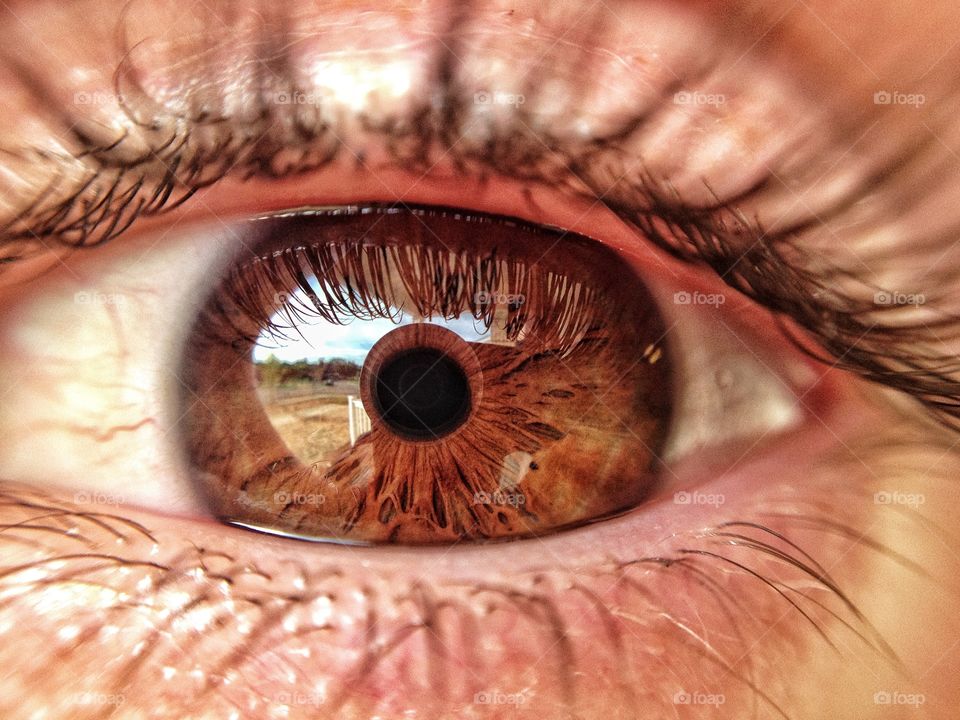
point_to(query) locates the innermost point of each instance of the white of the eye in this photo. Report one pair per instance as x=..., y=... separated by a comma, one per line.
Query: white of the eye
x=81, y=377
x=730, y=387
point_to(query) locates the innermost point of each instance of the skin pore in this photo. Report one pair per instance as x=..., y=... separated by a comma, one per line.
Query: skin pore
x=802, y=157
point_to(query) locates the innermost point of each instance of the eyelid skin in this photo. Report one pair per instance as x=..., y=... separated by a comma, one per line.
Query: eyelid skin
x=180, y=76
x=420, y=84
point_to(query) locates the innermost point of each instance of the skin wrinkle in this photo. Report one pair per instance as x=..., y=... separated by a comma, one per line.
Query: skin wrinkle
x=677, y=566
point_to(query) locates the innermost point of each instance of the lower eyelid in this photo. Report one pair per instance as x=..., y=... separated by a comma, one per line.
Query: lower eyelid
x=196, y=613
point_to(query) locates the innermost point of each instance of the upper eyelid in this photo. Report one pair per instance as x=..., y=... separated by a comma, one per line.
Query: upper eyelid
x=100, y=178
x=109, y=191
x=155, y=157
x=155, y=160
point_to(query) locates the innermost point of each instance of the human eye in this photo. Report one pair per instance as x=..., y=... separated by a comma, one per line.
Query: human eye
x=735, y=524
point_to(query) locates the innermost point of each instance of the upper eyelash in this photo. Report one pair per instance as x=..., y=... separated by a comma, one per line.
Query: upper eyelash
x=833, y=303
x=115, y=192
x=188, y=152
x=765, y=266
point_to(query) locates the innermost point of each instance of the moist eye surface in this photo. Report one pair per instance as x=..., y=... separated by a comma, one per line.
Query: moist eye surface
x=423, y=376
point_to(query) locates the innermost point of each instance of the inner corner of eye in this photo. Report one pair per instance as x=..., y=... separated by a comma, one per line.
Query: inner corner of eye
x=422, y=376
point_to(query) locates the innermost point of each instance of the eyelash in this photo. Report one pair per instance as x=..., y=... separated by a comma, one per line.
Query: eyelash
x=115, y=193
x=189, y=153
x=354, y=278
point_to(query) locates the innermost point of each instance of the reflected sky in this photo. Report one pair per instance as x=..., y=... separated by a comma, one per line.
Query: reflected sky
x=325, y=341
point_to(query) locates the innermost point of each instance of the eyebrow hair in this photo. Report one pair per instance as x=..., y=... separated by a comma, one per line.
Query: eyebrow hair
x=162, y=157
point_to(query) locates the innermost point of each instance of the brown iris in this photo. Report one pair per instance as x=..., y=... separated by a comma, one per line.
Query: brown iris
x=547, y=413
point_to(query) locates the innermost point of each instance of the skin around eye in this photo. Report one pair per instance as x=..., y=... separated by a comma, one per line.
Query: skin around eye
x=558, y=418
x=815, y=575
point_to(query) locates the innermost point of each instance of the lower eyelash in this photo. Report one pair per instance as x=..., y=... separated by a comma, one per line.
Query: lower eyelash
x=208, y=581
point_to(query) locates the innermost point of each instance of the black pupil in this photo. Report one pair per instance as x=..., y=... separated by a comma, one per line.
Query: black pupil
x=422, y=394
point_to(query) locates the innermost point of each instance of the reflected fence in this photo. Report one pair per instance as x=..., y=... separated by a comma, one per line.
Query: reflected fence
x=358, y=419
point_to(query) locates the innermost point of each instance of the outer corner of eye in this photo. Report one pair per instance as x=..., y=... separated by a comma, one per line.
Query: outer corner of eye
x=423, y=376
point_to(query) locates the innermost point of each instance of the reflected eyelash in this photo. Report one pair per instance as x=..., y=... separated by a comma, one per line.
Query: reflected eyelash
x=355, y=278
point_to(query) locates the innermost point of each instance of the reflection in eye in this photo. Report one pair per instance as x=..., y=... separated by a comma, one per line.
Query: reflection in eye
x=518, y=384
